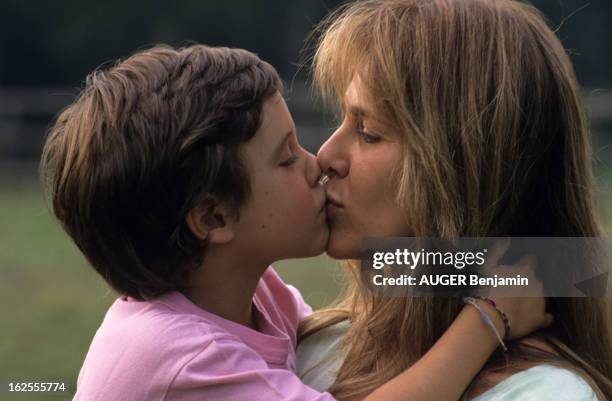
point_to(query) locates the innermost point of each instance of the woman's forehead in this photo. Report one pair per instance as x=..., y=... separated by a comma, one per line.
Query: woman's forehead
x=356, y=99
x=358, y=103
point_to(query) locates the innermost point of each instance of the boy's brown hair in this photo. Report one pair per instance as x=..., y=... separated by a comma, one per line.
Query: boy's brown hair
x=145, y=142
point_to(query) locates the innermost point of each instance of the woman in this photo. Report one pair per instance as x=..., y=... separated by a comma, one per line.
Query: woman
x=461, y=118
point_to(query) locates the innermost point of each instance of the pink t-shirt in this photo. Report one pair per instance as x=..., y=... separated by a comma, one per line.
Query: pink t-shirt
x=169, y=349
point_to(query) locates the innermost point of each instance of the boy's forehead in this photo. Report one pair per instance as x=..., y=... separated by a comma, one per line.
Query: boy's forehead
x=276, y=123
x=276, y=101
x=275, y=119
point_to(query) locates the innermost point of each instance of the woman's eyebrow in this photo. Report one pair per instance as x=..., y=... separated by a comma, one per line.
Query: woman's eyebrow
x=364, y=115
x=357, y=111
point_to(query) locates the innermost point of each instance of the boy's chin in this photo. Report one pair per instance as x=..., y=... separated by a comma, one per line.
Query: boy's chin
x=319, y=248
x=318, y=245
x=310, y=245
x=341, y=251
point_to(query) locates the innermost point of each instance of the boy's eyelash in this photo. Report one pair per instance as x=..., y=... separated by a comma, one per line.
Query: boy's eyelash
x=289, y=161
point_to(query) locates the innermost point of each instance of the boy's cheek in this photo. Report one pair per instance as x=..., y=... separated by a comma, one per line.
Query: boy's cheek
x=307, y=202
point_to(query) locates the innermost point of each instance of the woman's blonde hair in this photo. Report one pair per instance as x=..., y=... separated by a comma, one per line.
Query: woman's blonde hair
x=495, y=143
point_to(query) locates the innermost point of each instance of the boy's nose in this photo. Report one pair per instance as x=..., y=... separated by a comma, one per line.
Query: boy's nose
x=313, y=172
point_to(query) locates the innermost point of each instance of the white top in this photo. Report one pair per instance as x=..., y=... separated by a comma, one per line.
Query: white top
x=541, y=383
x=319, y=358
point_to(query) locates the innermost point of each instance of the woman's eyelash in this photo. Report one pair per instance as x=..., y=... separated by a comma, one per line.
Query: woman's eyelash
x=365, y=136
x=368, y=138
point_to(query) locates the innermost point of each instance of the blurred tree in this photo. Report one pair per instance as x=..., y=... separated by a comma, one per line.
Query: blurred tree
x=583, y=27
x=58, y=42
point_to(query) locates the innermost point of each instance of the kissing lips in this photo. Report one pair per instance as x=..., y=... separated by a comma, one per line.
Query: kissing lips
x=333, y=207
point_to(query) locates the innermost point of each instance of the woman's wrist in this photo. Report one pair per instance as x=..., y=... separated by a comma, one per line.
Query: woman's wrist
x=500, y=313
x=486, y=317
x=480, y=327
x=493, y=314
x=463, y=349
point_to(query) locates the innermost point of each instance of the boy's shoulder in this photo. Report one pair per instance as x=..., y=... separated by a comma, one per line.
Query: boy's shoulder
x=159, y=342
x=169, y=326
x=155, y=329
x=140, y=347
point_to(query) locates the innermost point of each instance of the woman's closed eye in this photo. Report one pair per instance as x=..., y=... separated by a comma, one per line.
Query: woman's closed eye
x=368, y=137
x=364, y=135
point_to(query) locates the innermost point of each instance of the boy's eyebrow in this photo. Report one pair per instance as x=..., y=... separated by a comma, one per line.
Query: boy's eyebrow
x=279, y=148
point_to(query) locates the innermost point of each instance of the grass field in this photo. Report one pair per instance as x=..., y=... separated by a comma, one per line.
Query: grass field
x=52, y=302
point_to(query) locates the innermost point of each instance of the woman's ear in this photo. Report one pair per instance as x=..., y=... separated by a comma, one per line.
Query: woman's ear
x=211, y=220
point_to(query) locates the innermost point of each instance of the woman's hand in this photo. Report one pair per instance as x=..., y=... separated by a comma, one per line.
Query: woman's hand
x=525, y=314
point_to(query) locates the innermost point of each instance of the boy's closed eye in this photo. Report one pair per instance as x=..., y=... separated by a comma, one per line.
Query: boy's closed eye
x=283, y=154
x=289, y=158
x=289, y=161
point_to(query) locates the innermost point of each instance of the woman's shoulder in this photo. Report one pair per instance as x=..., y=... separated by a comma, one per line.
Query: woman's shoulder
x=318, y=356
x=323, y=341
x=542, y=382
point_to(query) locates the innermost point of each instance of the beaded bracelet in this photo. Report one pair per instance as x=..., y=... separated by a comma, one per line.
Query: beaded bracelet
x=501, y=313
x=486, y=319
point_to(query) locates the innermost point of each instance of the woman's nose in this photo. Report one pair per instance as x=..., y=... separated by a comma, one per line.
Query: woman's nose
x=332, y=156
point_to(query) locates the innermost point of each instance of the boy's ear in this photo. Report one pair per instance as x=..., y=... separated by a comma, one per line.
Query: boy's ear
x=211, y=221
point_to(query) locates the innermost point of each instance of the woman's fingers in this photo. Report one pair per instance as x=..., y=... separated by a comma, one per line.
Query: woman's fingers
x=525, y=307
x=498, y=250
